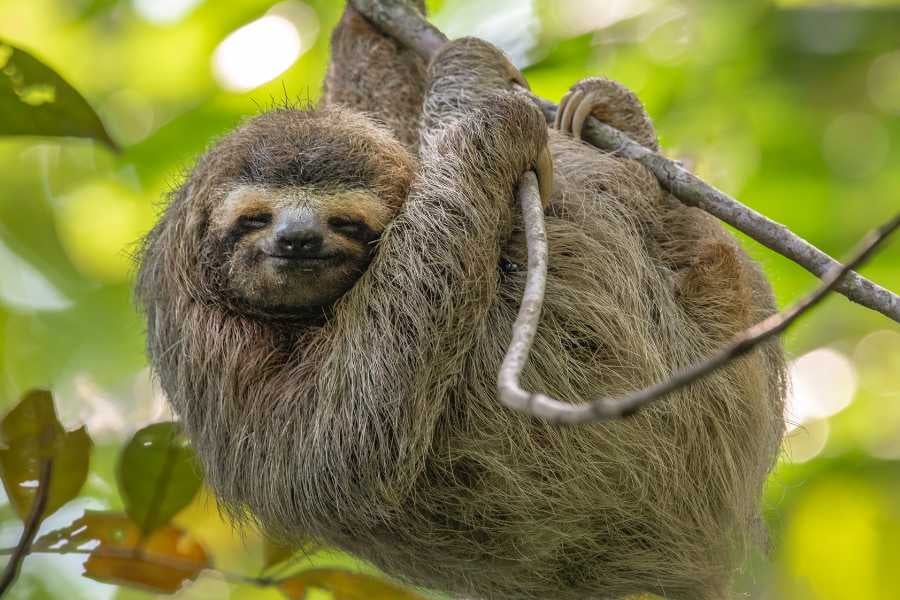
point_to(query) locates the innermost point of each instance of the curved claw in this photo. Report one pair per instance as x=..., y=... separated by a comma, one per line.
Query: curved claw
x=557, y=121
x=582, y=112
x=573, y=100
x=544, y=171
x=612, y=104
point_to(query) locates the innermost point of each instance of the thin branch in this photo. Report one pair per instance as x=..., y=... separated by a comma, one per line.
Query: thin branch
x=513, y=396
x=525, y=327
x=31, y=526
x=402, y=21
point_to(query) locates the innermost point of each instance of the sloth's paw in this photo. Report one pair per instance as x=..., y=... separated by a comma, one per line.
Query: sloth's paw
x=610, y=102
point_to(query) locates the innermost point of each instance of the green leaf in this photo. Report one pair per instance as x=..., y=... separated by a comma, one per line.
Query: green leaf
x=35, y=100
x=30, y=434
x=158, y=475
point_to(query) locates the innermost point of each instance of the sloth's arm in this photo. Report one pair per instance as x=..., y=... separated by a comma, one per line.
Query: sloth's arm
x=401, y=335
x=464, y=75
x=371, y=73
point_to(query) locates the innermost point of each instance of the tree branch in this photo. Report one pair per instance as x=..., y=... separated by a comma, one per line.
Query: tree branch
x=403, y=22
x=539, y=405
x=31, y=526
x=693, y=191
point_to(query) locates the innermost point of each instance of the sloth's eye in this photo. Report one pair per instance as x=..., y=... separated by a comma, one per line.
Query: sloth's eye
x=347, y=226
x=255, y=221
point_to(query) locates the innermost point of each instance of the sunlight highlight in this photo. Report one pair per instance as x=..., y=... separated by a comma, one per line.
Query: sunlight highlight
x=164, y=11
x=823, y=383
x=256, y=53
x=24, y=287
x=805, y=443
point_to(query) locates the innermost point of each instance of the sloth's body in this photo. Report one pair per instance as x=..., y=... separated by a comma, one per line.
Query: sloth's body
x=368, y=417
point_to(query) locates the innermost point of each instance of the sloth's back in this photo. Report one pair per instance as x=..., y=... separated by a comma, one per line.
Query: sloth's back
x=662, y=501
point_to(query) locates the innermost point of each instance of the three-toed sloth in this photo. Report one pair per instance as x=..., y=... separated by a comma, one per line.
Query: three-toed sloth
x=330, y=293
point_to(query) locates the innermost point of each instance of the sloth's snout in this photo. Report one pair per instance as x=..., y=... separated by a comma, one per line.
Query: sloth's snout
x=298, y=237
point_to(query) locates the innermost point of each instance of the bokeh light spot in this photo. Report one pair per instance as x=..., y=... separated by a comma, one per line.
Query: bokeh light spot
x=884, y=82
x=823, y=383
x=807, y=442
x=100, y=225
x=256, y=53
x=24, y=287
x=164, y=11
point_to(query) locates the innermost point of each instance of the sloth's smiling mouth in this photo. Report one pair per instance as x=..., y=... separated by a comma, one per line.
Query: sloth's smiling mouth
x=303, y=262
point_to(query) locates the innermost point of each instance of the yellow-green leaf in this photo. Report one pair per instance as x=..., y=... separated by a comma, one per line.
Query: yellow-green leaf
x=35, y=100
x=158, y=475
x=345, y=585
x=275, y=553
x=160, y=562
x=31, y=433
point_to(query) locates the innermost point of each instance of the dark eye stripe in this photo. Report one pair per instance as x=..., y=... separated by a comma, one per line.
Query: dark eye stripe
x=257, y=221
x=352, y=228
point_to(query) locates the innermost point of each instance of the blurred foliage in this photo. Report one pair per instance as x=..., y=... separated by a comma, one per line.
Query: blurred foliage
x=118, y=552
x=789, y=105
x=31, y=435
x=36, y=101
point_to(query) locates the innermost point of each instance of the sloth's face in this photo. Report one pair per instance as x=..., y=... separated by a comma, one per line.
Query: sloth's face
x=292, y=248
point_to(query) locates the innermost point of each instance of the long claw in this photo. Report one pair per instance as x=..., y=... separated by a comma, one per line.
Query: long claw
x=571, y=105
x=544, y=171
x=582, y=113
x=557, y=121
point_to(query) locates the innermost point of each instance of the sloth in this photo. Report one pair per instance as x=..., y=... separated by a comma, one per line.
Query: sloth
x=330, y=293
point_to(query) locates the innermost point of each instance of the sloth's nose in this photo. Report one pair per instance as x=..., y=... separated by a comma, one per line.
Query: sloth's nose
x=297, y=239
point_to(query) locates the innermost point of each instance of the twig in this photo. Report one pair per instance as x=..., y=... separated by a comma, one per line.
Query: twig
x=31, y=526
x=402, y=21
x=513, y=396
x=525, y=327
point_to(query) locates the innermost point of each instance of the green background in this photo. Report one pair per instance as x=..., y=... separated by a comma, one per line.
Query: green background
x=791, y=106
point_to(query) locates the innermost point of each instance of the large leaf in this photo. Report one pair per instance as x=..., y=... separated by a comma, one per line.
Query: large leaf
x=35, y=100
x=30, y=434
x=158, y=475
x=120, y=553
x=344, y=585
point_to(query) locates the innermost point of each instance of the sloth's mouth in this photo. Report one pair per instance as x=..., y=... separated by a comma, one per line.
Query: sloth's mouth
x=305, y=262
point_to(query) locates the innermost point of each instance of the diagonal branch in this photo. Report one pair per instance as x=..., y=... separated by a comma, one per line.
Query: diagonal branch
x=402, y=21
x=31, y=526
x=512, y=394
x=693, y=191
